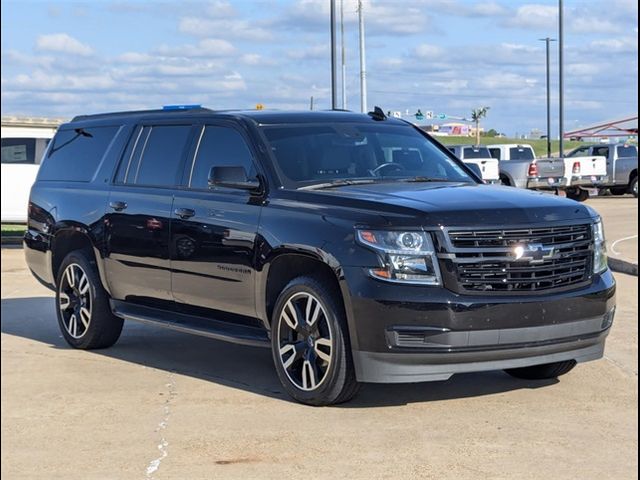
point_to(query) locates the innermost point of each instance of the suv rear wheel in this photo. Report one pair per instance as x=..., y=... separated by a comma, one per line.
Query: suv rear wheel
x=310, y=344
x=542, y=372
x=84, y=315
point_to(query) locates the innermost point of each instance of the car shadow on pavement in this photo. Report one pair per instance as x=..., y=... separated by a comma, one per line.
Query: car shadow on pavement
x=246, y=368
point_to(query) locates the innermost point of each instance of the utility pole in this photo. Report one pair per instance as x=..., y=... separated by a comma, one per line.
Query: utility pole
x=311, y=103
x=561, y=75
x=342, y=57
x=363, y=70
x=334, y=78
x=547, y=42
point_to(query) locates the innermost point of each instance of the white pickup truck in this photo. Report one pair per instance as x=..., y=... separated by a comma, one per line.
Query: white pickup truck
x=622, y=166
x=520, y=168
x=480, y=156
x=585, y=175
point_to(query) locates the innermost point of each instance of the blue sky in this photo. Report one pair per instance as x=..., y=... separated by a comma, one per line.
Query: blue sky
x=449, y=56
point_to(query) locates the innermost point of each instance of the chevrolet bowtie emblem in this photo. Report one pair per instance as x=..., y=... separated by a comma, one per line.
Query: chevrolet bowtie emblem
x=533, y=253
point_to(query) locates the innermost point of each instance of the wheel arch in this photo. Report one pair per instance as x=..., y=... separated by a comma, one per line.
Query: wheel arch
x=283, y=265
x=69, y=237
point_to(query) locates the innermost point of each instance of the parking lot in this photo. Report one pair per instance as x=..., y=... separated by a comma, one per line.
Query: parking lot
x=163, y=405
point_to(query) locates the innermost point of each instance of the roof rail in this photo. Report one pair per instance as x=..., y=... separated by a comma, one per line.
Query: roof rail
x=139, y=112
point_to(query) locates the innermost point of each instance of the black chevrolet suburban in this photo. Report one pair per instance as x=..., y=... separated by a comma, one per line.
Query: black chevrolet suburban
x=354, y=246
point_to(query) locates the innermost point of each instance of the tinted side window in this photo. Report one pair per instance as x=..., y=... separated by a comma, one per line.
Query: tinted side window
x=162, y=156
x=521, y=153
x=19, y=150
x=76, y=153
x=601, y=151
x=627, y=151
x=220, y=147
x=495, y=153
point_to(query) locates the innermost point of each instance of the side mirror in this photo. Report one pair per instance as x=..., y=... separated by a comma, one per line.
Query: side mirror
x=232, y=177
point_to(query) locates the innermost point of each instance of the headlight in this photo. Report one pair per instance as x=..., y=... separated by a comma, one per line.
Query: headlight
x=408, y=257
x=599, y=248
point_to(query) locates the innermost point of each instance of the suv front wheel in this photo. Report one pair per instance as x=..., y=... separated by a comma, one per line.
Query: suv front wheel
x=310, y=344
x=84, y=314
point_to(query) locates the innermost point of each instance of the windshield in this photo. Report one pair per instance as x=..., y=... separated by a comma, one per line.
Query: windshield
x=326, y=153
x=521, y=153
x=474, y=152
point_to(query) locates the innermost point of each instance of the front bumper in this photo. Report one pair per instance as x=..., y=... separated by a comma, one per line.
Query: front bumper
x=414, y=334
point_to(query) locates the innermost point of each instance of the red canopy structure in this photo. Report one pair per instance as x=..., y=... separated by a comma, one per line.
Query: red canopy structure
x=616, y=128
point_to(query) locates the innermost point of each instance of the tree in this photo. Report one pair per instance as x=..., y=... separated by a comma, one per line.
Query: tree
x=491, y=133
x=476, y=115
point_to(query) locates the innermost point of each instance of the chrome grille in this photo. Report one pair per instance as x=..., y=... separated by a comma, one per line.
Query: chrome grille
x=485, y=262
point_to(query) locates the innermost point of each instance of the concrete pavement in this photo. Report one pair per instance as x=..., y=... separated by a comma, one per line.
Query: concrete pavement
x=620, y=216
x=164, y=405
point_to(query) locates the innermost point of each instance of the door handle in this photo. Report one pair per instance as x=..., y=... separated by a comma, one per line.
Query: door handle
x=185, y=213
x=118, y=206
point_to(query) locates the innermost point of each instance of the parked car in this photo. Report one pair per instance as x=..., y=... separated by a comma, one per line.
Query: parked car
x=622, y=166
x=474, y=155
x=354, y=246
x=23, y=143
x=519, y=167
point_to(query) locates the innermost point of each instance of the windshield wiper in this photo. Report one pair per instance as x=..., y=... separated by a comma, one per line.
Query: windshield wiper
x=423, y=179
x=337, y=183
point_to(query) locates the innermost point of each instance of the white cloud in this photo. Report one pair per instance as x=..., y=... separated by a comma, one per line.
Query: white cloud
x=534, y=16
x=428, y=52
x=593, y=25
x=230, y=28
x=209, y=47
x=62, y=43
x=616, y=45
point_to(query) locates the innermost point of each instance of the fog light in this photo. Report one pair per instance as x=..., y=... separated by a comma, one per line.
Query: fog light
x=607, y=320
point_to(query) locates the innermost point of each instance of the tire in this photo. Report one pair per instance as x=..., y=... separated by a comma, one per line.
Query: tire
x=504, y=181
x=82, y=305
x=577, y=194
x=310, y=344
x=617, y=191
x=633, y=187
x=542, y=372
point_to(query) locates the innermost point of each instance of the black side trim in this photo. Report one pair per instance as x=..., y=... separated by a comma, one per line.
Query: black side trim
x=219, y=330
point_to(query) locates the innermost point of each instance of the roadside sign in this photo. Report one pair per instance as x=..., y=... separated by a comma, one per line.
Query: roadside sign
x=429, y=114
x=396, y=114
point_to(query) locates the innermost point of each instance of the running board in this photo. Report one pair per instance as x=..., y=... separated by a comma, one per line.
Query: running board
x=219, y=330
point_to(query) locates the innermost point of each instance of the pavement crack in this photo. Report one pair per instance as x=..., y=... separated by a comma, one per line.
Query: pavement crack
x=163, y=445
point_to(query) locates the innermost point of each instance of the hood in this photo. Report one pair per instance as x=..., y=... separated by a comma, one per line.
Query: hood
x=447, y=204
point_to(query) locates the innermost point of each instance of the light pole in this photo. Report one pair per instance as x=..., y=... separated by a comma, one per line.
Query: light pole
x=334, y=91
x=342, y=58
x=561, y=75
x=363, y=70
x=547, y=42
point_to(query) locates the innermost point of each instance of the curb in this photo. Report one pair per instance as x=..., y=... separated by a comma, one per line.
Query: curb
x=11, y=241
x=623, y=266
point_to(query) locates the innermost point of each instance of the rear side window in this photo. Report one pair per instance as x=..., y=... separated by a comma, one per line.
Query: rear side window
x=601, y=151
x=158, y=152
x=627, y=151
x=76, y=153
x=519, y=153
x=220, y=147
x=495, y=153
x=26, y=151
